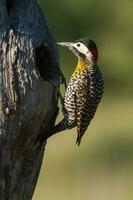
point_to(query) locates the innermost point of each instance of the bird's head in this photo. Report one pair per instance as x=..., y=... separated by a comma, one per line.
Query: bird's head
x=84, y=49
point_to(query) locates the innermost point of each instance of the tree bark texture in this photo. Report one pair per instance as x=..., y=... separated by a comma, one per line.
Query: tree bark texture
x=29, y=84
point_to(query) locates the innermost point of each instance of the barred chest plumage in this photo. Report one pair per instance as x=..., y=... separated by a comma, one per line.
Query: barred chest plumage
x=84, y=90
x=83, y=95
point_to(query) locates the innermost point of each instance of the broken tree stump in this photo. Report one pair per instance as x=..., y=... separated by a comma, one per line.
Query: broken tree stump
x=29, y=84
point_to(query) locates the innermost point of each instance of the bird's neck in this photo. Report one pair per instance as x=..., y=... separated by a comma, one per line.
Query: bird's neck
x=81, y=67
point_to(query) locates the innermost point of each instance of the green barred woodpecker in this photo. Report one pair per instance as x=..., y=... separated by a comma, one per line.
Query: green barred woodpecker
x=84, y=90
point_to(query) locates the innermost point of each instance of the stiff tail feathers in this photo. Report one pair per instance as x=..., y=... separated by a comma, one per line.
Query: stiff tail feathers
x=78, y=140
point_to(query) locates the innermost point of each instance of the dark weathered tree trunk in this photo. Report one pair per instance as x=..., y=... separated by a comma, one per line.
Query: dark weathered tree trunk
x=29, y=83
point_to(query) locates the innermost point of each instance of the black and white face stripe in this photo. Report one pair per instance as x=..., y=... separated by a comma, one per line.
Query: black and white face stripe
x=81, y=51
x=80, y=47
x=83, y=48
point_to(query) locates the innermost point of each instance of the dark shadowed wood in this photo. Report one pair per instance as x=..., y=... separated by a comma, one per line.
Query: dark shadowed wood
x=29, y=83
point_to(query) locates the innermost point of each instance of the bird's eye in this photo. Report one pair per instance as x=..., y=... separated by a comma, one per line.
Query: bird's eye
x=78, y=45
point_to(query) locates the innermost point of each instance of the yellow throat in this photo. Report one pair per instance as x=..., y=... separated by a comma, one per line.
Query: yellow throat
x=81, y=66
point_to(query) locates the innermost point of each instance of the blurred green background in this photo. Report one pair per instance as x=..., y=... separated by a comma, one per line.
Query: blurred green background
x=102, y=167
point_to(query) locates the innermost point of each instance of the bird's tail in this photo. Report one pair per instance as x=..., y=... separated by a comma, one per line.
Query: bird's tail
x=78, y=140
x=80, y=133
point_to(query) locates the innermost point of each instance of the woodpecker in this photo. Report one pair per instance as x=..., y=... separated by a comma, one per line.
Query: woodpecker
x=84, y=90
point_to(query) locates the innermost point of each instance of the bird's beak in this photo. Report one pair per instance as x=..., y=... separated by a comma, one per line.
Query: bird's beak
x=70, y=46
x=66, y=44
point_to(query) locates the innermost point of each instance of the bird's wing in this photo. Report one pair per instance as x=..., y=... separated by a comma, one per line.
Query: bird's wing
x=85, y=109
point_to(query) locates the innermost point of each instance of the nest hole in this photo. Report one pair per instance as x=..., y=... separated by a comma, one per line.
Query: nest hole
x=44, y=62
x=9, y=5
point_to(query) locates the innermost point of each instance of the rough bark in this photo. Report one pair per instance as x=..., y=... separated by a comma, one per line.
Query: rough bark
x=29, y=83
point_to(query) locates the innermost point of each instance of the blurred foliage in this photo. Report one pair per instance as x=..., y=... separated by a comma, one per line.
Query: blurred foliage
x=108, y=23
x=102, y=167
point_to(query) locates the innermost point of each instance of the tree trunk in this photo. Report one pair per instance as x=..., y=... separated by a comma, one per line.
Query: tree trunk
x=29, y=84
